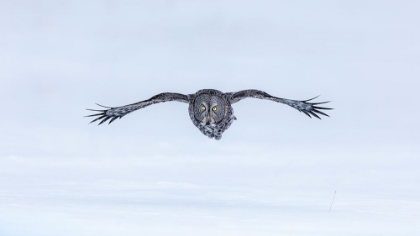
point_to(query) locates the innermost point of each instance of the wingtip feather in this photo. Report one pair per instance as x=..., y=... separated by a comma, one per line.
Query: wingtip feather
x=317, y=103
x=312, y=113
x=323, y=108
x=102, y=105
x=94, y=110
x=307, y=114
x=104, y=120
x=311, y=98
x=112, y=120
x=98, y=118
x=94, y=115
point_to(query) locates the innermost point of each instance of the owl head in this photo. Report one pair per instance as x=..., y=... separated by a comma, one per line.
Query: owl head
x=211, y=112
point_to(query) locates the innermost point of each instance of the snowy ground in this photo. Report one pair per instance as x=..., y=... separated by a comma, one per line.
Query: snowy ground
x=274, y=172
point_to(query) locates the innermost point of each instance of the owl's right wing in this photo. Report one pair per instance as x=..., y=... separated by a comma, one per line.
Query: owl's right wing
x=118, y=112
x=303, y=106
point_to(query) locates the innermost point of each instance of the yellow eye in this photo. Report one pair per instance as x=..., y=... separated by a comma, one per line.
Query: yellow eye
x=203, y=108
x=214, y=109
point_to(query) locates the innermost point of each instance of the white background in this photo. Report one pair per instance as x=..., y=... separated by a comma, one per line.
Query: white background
x=274, y=172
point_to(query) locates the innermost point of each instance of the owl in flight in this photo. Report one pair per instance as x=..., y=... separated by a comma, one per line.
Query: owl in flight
x=210, y=110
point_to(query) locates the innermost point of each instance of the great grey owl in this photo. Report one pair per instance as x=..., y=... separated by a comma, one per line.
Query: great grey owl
x=210, y=110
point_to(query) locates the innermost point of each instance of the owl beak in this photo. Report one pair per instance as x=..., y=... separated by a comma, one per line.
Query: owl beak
x=208, y=119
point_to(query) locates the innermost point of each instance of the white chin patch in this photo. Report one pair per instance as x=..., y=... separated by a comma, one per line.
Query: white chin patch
x=205, y=121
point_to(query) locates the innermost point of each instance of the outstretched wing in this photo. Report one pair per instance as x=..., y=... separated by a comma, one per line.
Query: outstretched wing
x=118, y=112
x=303, y=106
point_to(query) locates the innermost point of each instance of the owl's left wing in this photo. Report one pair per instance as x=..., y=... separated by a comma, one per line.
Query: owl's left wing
x=118, y=112
x=303, y=106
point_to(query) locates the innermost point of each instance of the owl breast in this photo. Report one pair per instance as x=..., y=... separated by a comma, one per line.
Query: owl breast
x=211, y=112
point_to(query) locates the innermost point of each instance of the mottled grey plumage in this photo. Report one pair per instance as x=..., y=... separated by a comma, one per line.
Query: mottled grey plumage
x=210, y=110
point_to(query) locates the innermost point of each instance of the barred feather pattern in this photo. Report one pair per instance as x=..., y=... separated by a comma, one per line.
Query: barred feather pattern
x=213, y=98
x=216, y=130
x=113, y=113
x=310, y=109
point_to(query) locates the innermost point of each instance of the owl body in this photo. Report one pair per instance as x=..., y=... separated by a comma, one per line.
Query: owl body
x=210, y=110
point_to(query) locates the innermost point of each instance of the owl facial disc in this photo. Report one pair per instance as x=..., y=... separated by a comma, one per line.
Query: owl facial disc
x=211, y=112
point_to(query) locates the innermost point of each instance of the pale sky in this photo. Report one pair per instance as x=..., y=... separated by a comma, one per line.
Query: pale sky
x=153, y=173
